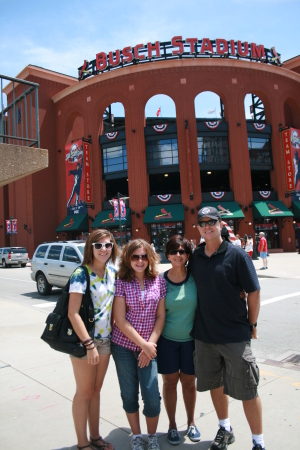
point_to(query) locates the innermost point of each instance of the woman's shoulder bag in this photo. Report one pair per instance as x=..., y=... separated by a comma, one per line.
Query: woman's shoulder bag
x=59, y=332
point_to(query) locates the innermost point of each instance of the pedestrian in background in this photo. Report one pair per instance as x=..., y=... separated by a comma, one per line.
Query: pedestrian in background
x=100, y=253
x=263, y=250
x=237, y=241
x=139, y=313
x=175, y=346
x=249, y=246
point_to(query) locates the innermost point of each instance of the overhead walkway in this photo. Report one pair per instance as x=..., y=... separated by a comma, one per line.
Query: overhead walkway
x=20, y=152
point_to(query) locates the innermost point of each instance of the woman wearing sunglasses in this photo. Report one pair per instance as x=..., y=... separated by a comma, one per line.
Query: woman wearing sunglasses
x=175, y=347
x=100, y=254
x=139, y=313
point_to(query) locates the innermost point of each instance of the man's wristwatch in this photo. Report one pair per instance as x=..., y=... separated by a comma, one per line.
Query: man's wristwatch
x=252, y=325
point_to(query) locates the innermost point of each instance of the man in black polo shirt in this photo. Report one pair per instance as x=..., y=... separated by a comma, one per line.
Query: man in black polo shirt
x=224, y=326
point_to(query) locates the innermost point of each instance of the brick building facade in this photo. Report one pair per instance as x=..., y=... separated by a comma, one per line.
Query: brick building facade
x=70, y=109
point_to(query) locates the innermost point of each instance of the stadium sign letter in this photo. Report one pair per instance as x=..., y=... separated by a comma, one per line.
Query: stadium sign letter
x=206, y=46
x=176, y=42
x=101, y=61
x=224, y=44
x=127, y=54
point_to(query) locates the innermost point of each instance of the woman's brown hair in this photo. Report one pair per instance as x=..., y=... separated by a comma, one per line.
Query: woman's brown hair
x=95, y=236
x=126, y=272
x=177, y=241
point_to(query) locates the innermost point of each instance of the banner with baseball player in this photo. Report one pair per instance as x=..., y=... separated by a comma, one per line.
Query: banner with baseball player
x=75, y=186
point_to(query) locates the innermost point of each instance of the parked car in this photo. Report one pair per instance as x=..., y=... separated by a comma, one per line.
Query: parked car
x=13, y=256
x=54, y=262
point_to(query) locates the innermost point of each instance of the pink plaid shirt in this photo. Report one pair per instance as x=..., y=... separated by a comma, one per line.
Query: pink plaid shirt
x=140, y=313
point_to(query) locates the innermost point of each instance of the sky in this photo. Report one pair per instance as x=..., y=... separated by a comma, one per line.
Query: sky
x=60, y=34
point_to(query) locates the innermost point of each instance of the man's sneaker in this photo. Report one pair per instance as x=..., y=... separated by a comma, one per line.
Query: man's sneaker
x=137, y=443
x=222, y=439
x=257, y=446
x=173, y=437
x=152, y=442
x=194, y=434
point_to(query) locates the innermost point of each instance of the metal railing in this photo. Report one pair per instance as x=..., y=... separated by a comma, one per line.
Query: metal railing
x=17, y=124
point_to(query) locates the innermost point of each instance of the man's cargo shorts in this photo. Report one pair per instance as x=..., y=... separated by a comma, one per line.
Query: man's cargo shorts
x=230, y=365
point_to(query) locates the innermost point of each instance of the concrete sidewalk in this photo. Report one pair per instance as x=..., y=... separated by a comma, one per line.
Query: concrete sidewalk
x=37, y=388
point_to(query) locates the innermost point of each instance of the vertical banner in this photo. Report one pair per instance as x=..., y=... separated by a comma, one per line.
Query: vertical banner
x=8, y=227
x=87, y=173
x=14, y=227
x=295, y=144
x=122, y=209
x=74, y=183
x=116, y=208
x=288, y=158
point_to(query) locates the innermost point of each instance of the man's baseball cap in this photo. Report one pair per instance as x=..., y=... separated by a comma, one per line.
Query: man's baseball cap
x=208, y=211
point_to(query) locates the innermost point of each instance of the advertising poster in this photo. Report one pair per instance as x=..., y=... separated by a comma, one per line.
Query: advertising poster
x=295, y=148
x=87, y=173
x=12, y=226
x=8, y=227
x=74, y=160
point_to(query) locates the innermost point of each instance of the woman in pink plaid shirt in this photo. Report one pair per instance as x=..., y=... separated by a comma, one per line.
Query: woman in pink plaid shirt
x=139, y=313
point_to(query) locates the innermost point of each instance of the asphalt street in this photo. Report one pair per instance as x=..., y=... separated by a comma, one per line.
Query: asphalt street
x=37, y=384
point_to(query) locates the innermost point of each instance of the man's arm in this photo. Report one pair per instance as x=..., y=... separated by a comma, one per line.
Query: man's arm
x=253, y=303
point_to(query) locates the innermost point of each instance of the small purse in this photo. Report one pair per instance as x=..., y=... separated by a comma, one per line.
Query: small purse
x=59, y=332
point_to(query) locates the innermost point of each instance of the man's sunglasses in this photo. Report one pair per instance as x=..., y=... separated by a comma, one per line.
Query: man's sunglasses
x=99, y=245
x=174, y=252
x=210, y=222
x=138, y=257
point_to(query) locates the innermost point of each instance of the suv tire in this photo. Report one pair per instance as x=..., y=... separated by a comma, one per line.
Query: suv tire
x=23, y=265
x=43, y=287
x=4, y=265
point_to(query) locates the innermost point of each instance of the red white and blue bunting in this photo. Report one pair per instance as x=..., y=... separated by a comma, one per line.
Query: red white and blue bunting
x=259, y=126
x=264, y=194
x=217, y=195
x=212, y=125
x=112, y=135
x=160, y=128
x=164, y=198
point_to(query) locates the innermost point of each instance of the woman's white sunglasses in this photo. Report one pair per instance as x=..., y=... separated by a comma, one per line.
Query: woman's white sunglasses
x=99, y=245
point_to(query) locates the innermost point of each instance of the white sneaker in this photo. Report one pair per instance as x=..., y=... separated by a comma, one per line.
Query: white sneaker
x=137, y=443
x=152, y=442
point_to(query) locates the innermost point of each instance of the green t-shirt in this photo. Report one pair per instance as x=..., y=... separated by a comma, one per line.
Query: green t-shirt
x=181, y=304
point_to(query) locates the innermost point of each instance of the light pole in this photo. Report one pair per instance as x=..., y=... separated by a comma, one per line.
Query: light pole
x=121, y=197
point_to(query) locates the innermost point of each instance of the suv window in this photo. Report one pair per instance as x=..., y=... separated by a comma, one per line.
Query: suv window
x=54, y=252
x=41, y=251
x=81, y=249
x=18, y=250
x=70, y=255
x=6, y=251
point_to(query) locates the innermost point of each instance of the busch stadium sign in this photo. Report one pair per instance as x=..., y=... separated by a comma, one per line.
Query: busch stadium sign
x=178, y=48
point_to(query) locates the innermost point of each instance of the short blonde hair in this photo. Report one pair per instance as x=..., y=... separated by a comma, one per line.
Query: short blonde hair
x=126, y=272
x=95, y=236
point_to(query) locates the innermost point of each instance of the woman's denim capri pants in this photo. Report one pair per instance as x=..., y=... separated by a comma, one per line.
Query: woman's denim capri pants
x=130, y=376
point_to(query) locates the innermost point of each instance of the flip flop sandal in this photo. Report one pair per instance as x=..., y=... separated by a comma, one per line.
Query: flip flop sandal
x=85, y=446
x=105, y=445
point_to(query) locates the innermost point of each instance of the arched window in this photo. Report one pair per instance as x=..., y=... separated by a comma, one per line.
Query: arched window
x=212, y=140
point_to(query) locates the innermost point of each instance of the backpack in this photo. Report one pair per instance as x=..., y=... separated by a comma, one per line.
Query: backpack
x=59, y=332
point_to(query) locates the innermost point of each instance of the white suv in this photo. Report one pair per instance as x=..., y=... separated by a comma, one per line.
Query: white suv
x=54, y=262
x=13, y=255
